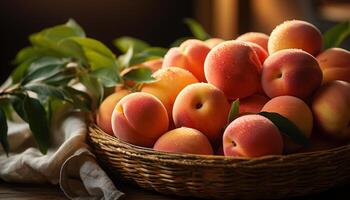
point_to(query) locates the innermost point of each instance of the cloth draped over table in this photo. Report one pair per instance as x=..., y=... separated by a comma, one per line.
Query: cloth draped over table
x=68, y=162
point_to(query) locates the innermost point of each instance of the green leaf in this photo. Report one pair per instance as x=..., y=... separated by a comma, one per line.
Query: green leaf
x=94, y=45
x=70, y=49
x=18, y=105
x=148, y=54
x=3, y=132
x=42, y=72
x=55, y=34
x=108, y=76
x=48, y=90
x=336, y=35
x=62, y=78
x=76, y=27
x=233, y=111
x=38, y=123
x=139, y=75
x=93, y=85
x=46, y=61
x=197, y=29
x=124, y=43
x=124, y=60
x=81, y=100
x=286, y=127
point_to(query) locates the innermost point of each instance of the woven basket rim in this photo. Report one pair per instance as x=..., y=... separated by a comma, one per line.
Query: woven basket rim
x=206, y=160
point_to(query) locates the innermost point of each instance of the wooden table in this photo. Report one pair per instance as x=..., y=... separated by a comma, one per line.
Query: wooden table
x=11, y=191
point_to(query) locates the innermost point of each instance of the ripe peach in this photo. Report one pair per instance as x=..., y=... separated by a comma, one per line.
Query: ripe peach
x=295, y=34
x=104, y=113
x=297, y=111
x=170, y=81
x=189, y=55
x=140, y=119
x=154, y=64
x=262, y=54
x=203, y=107
x=331, y=108
x=184, y=140
x=291, y=72
x=252, y=136
x=212, y=42
x=233, y=67
x=335, y=64
x=252, y=104
x=260, y=39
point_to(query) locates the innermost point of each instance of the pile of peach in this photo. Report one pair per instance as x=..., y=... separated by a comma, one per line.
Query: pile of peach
x=186, y=110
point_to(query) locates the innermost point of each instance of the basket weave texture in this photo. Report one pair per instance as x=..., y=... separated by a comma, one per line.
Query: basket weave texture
x=222, y=177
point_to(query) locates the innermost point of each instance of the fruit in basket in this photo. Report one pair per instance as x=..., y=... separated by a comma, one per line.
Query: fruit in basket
x=252, y=104
x=252, y=136
x=104, y=114
x=335, y=64
x=184, y=140
x=212, y=42
x=262, y=54
x=153, y=64
x=233, y=67
x=189, y=55
x=170, y=81
x=297, y=111
x=295, y=34
x=260, y=39
x=140, y=119
x=204, y=107
x=331, y=108
x=291, y=72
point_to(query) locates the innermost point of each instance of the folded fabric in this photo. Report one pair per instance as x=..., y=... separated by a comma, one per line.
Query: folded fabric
x=68, y=162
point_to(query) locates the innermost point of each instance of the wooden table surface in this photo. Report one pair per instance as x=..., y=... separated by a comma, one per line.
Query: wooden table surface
x=11, y=191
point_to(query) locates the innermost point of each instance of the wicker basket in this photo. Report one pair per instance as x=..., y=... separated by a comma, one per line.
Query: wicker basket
x=222, y=177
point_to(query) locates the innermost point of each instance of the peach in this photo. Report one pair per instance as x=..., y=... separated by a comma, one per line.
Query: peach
x=252, y=104
x=184, y=140
x=170, y=81
x=189, y=55
x=335, y=64
x=295, y=34
x=331, y=108
x=252, y=136
x=297, y=111
x=233, y=67
x=139, y=119
x=262, y=54
x=203, y=107
x=104, y=113
x=154, y=64
x=212, y=42
x=291, y=72
x=260, y=39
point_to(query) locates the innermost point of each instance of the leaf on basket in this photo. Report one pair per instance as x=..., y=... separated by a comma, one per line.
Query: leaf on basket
x=3, y=132
x=336, y=35
x=286, y=127
x=233, y=111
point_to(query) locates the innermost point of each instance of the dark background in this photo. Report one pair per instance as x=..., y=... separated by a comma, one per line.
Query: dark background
x=158, y=22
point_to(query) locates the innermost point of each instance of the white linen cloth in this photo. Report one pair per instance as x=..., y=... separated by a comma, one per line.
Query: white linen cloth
x=68, y=161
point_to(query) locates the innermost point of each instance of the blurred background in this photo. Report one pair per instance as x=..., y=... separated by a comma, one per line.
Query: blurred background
x=158, y=22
